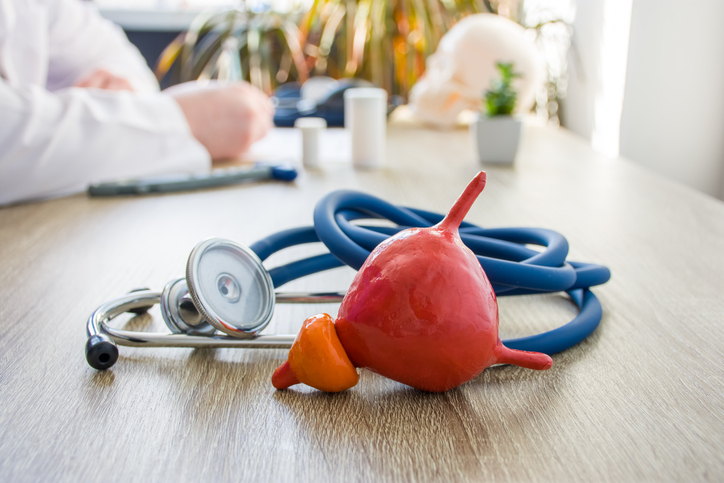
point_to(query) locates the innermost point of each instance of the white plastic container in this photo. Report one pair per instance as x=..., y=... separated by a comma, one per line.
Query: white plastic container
x=365, y=116
x=311, y=128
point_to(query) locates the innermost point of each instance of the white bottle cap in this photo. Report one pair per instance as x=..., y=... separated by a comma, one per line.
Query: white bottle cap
x=311, y=127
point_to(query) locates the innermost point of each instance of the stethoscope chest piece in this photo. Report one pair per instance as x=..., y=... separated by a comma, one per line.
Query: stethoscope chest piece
x=179, y=311
x=226, y=288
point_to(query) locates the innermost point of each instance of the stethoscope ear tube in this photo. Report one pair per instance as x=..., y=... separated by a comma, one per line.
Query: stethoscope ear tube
x=101, y=348
x=101, y=351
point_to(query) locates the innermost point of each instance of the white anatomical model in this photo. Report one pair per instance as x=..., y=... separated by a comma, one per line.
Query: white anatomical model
x=461, y=69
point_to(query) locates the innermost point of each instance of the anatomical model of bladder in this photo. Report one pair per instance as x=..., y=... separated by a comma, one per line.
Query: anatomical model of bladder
x=420, y=311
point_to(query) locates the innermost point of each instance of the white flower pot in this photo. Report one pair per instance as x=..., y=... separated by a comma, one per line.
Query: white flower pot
x=496, y=138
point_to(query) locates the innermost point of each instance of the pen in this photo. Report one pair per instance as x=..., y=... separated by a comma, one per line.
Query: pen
x=184, y=182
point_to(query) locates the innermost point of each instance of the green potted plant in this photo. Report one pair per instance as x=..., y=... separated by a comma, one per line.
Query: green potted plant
x=497, y=132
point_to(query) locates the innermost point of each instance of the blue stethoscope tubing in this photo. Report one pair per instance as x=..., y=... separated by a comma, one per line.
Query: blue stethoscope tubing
x=511, y=267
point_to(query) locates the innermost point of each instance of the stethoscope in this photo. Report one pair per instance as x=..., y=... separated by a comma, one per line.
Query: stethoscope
x=228, y=297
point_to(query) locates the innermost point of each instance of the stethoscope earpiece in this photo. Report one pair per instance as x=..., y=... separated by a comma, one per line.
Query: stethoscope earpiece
x=101, y=352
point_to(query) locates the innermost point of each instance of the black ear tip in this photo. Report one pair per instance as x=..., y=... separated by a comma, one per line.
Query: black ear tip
x=101, y=352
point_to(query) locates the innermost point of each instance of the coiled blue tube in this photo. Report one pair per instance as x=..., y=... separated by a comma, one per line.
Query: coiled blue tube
x=512, y=267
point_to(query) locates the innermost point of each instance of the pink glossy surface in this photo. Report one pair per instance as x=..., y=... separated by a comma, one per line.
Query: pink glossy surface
x=421, y=310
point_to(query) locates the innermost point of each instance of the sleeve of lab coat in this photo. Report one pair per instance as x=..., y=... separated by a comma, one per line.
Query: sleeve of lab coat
x=81, y=41
x=53, y=144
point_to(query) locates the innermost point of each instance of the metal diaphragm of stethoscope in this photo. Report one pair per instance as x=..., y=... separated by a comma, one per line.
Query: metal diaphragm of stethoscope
x=228, y=297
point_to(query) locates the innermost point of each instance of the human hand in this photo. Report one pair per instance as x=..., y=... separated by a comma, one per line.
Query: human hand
x=102, y=79
x=226, y=119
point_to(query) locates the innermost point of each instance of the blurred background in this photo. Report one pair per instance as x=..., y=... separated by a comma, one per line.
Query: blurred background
x=643, y=79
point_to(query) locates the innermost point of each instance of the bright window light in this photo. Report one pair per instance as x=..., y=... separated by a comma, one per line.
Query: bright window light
x=612, y=70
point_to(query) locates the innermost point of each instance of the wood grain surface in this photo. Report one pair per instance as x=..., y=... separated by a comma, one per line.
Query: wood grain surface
x=640, y=400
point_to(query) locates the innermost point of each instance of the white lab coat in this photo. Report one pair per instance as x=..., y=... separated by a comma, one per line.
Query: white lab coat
x=56, y=139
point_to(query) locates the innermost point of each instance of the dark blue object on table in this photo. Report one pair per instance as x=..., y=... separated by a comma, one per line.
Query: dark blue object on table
x=290, y=106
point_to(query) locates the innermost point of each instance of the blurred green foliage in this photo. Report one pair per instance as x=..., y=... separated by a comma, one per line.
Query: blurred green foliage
x=500, y=99
x=383, y=41
x=263, y=47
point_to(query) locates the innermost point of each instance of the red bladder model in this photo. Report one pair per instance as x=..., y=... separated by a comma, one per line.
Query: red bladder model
x=420, y=311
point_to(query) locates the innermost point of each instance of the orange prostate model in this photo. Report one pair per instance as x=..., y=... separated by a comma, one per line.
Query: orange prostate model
x=420, y=311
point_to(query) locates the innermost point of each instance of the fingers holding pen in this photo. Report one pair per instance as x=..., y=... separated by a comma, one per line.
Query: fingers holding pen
x=226, y=119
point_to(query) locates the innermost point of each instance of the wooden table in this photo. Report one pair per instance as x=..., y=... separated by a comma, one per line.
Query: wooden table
x=642, y=399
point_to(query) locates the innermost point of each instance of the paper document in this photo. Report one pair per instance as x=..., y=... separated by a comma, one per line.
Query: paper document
x=286, y=144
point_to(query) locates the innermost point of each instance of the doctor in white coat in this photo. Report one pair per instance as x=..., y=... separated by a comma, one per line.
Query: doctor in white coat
x=79, y=105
